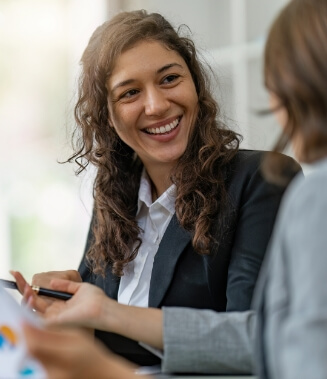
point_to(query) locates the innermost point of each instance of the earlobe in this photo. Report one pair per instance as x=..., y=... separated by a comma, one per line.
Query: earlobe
x=110, y=124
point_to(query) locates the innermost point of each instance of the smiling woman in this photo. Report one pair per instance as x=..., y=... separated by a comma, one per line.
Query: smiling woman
x=182, y=216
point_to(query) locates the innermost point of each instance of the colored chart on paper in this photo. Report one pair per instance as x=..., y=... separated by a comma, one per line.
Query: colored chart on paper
x=15, y=362
x=8, y=337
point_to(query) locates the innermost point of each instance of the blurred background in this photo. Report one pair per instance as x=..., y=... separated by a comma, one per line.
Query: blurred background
x=44, y=208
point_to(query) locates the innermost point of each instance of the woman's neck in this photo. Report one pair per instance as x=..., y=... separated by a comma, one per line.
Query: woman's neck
x=160, y=181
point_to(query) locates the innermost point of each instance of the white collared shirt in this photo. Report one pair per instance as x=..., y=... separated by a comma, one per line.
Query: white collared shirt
x=153, y=219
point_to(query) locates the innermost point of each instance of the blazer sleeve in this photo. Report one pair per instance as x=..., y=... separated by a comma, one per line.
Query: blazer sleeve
x=257, y=203
x=205, y=341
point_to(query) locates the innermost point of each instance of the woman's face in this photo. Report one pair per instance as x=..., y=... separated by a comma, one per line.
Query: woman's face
x=152, y=103
x=280, y=113
x=278, y=110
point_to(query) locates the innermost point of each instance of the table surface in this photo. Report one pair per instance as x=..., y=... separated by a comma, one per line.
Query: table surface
x=205, y=376
x=212, y=377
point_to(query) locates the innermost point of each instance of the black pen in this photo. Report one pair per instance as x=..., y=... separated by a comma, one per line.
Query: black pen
x=38, y=290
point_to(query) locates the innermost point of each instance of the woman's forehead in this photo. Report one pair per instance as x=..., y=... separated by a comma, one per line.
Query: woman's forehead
x=143, y=56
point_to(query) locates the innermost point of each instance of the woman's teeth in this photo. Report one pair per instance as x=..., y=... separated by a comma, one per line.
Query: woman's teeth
x=163, y=129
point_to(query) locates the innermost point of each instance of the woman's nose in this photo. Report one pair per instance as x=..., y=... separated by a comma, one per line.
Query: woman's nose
x=156, y=102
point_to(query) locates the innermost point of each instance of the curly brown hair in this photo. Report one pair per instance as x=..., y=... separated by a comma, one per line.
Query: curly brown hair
x=199, y=174
x=295, y=71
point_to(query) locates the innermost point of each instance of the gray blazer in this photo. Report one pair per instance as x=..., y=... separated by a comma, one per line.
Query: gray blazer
x=290, y=325
x=291, y=295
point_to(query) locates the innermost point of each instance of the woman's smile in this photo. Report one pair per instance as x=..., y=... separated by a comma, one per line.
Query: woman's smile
x=163, y=128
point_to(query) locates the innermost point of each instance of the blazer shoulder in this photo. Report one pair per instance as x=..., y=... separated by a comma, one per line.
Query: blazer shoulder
x=244, y=165
x=303, y=196
x=248, y=162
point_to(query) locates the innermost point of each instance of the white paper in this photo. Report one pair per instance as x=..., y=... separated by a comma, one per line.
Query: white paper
x=15, y=362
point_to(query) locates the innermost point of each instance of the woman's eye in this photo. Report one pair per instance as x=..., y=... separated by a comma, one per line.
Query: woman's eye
x=129, y=93
x=170, y=78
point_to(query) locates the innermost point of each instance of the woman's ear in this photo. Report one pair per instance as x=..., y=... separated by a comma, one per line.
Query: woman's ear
x=110, y=123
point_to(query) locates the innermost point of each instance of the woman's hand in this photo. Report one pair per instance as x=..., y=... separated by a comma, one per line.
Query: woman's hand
x=91, y=308
x=84, y=309
x=74, y=355
x=41, y=303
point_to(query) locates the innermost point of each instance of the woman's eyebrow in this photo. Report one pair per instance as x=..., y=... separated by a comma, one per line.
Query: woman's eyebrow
x=122, y=84
x=167, y=66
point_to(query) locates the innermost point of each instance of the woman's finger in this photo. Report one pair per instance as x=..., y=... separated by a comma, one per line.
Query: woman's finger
x=65, y=285
x=43, y=279
x=34, y=301
x=20, y=280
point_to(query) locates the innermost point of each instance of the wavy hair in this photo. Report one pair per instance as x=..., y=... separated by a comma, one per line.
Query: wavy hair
x=295, y=70
x=199, y=174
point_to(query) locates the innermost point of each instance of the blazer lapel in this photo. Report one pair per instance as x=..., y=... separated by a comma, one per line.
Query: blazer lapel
x=171, y=246
x=110, y=283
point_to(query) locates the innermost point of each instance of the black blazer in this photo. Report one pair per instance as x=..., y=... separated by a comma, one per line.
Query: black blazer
x=222, y=281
